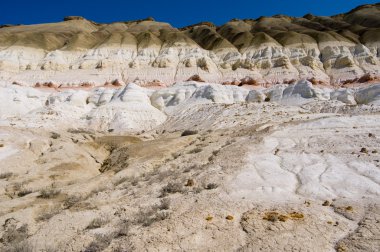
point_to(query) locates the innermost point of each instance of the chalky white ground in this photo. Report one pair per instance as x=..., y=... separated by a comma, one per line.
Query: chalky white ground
x=117, y=149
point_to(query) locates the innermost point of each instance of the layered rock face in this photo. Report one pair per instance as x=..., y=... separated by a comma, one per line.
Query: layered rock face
x=268, y=50
x=133, y=109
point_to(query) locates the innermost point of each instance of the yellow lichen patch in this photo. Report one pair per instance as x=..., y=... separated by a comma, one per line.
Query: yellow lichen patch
x=229, y=217
x=275, y=216
x=341, y=248
x=296, y=215
x=283, y=218
x=271, y=216
x=209, y=218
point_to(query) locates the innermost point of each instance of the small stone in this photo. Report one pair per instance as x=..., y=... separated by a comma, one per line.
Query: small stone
x=190, y=182
x=326, y=203
x=55, y=135
x=363, y=150
x=349, y=208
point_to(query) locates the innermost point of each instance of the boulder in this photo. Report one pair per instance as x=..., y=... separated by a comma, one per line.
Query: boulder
x=172, y=96
x=303, y=89
x=220, y=94
x=275, y=93
x=343, y=95
x=368, y=95
x=255, y=96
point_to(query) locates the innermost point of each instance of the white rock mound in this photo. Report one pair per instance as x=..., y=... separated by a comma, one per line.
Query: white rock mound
x=129, y=110
x=119, y=110
x=343, y=95
x=301, y=92
x=195, y=93
x=174, y=95
x=18, y=101
x=255, y=96
x=368, y=95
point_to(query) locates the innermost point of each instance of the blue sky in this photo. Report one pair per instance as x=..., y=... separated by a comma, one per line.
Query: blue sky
x=179, y=13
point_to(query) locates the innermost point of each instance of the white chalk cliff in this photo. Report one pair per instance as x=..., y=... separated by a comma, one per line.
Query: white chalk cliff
x=268, y=50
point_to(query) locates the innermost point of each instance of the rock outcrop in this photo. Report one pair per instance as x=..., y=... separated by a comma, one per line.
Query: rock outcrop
x=133, y=108
x=263, y=51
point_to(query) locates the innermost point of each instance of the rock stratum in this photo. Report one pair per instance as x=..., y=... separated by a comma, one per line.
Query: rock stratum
x=134, y=109
x=280, y=49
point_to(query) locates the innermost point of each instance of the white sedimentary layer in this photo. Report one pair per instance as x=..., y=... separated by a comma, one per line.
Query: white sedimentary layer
x=133, y=108
x=330, y=63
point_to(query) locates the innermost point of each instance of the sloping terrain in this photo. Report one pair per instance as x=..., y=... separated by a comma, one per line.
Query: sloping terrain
x=194, y=167
x=330, y=50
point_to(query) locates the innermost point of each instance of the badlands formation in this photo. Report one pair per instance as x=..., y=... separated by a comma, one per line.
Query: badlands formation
x=268, y=50
x=285, y=156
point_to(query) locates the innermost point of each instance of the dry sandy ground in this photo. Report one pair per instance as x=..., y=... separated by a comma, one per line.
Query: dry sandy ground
x=251, y=177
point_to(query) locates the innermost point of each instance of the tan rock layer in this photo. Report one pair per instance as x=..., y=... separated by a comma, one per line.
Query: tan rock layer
x=277, y=49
